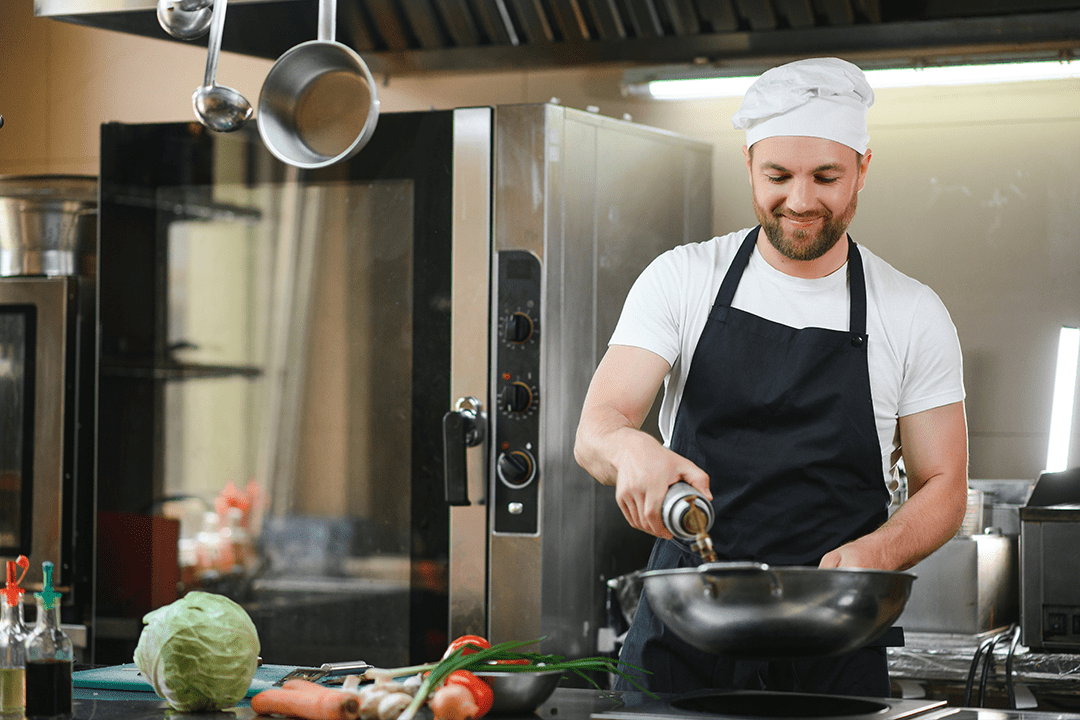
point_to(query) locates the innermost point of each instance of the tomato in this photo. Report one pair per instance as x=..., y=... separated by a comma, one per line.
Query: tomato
x=519, y=661
x=481, y=691
x=468, y=644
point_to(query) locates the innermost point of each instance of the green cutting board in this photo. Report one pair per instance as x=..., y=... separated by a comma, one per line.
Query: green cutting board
x=128, y=677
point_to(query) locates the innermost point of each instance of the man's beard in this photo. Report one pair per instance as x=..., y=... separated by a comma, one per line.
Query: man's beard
x=799, y=245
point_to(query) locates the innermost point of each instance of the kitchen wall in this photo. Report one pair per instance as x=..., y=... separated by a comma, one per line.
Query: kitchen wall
x=974, y=191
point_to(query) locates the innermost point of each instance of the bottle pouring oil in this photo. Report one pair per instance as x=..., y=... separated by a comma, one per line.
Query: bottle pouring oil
x=49, y=656
x=689, y=516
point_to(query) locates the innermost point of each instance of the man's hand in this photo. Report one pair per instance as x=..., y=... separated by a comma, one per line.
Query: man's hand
x=645, y=471
x=855, y=554
x=934, y=444
x=612, y=448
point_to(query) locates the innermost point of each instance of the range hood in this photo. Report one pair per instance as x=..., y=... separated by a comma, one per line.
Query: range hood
x=414, y=36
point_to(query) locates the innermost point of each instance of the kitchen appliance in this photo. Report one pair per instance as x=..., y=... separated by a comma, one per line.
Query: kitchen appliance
x=968, y=586
x=753, y=610
x=388, y=356
x=47, y=354
x=1049, y=564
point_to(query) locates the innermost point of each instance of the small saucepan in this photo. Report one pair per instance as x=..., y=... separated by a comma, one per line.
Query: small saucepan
x=752, y=610
x=318, y=104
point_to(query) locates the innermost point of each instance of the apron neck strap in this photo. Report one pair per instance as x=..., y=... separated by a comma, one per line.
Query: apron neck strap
x=856, y=283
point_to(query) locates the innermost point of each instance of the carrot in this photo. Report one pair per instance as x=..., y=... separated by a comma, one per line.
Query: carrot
x=304, y=685
x=307, y=703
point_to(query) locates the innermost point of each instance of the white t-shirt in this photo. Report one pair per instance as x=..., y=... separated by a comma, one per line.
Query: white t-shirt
x=913, y=351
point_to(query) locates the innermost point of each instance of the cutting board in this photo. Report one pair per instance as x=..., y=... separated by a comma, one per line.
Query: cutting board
x=127, y=677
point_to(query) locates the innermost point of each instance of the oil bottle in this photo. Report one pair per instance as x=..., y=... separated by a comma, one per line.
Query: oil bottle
x=13, y=642
x=688, y=516
x=49, y=656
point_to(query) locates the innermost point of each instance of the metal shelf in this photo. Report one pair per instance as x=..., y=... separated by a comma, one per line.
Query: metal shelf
x=168, y=371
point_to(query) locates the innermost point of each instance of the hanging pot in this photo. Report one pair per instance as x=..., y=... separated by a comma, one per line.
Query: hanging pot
x=318, y=104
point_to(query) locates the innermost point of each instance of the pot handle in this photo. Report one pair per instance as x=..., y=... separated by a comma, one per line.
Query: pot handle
x=327, y=21
x=711, y=574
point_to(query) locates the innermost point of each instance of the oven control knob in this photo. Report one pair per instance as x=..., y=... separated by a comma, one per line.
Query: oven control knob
x=516, y=468
x=518, y=327
x=517, y=397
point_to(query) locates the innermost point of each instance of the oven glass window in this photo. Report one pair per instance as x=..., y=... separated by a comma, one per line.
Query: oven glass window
x=291, y=318
x=16, y=415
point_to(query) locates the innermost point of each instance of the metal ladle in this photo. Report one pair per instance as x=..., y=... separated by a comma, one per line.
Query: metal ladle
x=218, y=107
x=184, y=19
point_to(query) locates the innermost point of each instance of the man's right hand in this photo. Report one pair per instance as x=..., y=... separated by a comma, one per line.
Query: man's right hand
x=612, y=448
x=645, y=471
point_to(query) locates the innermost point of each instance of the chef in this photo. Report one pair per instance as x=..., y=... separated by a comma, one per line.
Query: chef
x=798, y=369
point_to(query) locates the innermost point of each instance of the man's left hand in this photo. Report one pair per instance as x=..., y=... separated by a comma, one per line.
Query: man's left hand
x=854, y=555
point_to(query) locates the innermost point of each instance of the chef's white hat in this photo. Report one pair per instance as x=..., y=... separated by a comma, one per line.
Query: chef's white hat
x=822, y=97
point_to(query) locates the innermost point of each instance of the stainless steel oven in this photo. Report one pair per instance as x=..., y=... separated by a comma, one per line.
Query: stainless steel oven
x=376, y=368
x=47, y=355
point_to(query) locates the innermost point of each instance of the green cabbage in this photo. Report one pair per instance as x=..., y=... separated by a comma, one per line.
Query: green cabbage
x=199, y=653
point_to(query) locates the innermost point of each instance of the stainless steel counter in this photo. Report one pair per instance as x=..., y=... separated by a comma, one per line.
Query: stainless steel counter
x=933, y=660
x=566, y=704
x=948, y=657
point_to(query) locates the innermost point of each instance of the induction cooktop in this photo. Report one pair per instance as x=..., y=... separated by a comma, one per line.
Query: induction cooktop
x=761, y=705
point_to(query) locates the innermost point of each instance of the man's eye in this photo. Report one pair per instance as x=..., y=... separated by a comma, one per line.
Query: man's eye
x=827, y=180
x=776, y=178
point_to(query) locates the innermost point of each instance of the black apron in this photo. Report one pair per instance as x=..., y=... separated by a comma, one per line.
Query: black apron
x=782, y=420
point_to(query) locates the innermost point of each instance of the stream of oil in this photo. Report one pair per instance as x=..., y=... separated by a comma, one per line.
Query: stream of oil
x=696, y=522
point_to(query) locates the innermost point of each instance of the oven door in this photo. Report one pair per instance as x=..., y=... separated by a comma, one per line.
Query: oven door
x=277, y=348
x=36, y=345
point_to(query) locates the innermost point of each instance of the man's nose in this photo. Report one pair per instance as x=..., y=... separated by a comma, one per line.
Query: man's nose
x=801, y=196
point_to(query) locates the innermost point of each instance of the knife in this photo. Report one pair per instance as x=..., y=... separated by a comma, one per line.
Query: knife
x=354, y=667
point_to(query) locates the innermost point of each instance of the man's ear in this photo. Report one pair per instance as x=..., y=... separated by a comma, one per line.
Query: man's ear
x=864, y=167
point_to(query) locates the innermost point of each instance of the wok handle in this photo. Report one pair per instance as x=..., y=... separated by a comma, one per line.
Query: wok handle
x=712, y=573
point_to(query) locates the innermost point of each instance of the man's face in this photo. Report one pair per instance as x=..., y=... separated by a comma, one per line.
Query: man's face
x=805, y=192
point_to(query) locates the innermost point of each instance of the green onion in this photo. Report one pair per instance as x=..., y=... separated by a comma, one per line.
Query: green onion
x=485, y=660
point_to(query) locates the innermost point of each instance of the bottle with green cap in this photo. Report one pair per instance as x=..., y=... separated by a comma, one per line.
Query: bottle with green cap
x=49, y=656
x=13, y=642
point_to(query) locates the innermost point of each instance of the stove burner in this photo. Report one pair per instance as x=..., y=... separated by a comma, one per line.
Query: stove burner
x=764, y=705
x=752, y=704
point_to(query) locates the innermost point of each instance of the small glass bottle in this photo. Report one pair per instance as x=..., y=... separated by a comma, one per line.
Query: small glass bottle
x=12, y=643
x=49, y=656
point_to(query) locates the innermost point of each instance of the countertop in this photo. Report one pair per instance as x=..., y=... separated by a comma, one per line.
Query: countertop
x=565, y=704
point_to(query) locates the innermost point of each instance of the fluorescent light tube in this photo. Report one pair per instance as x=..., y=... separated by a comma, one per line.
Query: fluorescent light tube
x=697, y=88
x=1061, y=412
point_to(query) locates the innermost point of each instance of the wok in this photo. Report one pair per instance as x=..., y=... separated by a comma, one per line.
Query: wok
x=752, y=610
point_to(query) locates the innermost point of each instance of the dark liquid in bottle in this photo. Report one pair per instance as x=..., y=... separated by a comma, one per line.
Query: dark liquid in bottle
x=48, y=688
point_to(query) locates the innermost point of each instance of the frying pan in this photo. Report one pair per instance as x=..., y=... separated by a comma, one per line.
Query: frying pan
x=752, y=610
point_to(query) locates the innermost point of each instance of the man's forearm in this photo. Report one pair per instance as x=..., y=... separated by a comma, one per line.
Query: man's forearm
x=597, y=442
x=929, y=519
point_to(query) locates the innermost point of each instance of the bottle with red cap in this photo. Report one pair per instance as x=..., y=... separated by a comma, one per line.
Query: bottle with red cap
x=49, y=656
x=12, y=642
